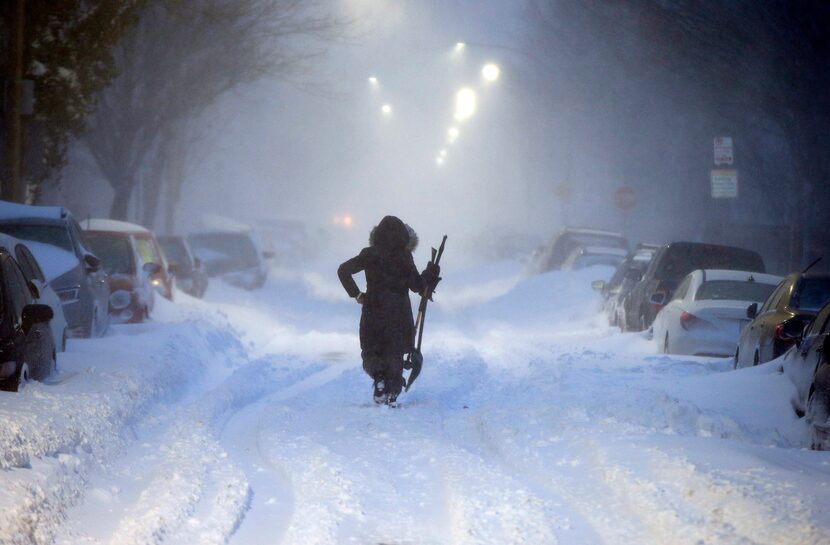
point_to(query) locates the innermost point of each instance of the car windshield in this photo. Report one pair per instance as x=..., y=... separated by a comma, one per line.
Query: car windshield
x=174, y=250
x=734, y=290
x=114, y=252
x=680, y=260
x=236, y=247
x=812, y=294
x=56, y=235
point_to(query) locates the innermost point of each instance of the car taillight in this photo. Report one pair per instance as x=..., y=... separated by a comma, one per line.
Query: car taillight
x=779, y=334
x=687, y=320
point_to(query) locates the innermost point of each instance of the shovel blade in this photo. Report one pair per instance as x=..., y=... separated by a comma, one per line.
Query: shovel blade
x=415, y=362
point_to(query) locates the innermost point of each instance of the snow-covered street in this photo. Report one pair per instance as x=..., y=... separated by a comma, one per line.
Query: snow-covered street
x=247, y=419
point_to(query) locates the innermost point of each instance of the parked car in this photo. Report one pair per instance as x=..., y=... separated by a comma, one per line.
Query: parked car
x=793, y=305
x=670, y=265
x=589, y=256
x=132, y=295
x=708, y=310
x=807, y=365
x=628, y=273
x=232, y=256
x=27, y=348
x=188, y=271
x=42, y=292
x=147, y=249
x=553, y=255
x=70, y=267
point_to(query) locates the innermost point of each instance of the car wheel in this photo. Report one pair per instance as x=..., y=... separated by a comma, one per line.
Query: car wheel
x=818, y=406
x=16, y=382
x=756, y=359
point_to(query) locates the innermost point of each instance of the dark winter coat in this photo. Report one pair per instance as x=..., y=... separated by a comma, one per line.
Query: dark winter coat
x=386, y=323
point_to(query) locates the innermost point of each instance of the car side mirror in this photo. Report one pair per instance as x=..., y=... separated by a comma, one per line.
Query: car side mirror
x=93, y=264
x=35, y=314
x=268, y=254
x=598, y=285
x=658, y=298
x=151, y=268
x=752, y=311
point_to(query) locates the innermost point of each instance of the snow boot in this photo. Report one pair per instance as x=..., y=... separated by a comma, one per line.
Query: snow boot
x=379, y=395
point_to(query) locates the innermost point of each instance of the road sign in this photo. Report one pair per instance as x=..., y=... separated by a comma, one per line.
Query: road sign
x=724, y=184
x=625, y=198
x=724, y=152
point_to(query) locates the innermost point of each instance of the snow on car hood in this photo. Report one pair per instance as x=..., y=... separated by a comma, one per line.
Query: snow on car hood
x=52, y=260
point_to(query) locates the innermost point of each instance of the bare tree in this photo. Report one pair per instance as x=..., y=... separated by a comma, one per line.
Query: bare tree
x=178, y=60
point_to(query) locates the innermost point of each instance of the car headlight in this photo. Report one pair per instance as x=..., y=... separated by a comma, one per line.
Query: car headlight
x=120, y=299
x=69, y=295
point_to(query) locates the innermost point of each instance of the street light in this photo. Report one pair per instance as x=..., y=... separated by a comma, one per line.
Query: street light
x=460, y=46
x=439, y=161
x=373, y=81
x=490, y=72
x=386, y=109
x=452, y=134
x=465, y=104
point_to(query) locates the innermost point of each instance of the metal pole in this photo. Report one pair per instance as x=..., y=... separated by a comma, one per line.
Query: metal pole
x=13, y=191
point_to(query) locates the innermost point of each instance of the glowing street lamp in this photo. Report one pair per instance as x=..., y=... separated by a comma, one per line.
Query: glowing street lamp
x=439, y=161
x=459, y=46
x=373, y=81
x=452, y=134
x=386, y=109
x=490, y=72
x=465, y=104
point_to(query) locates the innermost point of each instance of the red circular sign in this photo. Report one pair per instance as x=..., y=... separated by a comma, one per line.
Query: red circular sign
x=625, y=198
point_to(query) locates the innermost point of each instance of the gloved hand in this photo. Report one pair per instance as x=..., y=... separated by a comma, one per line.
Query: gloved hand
x=360, y=297
x=431, y=276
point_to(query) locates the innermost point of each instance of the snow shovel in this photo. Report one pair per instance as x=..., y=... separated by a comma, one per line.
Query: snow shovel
x=415, y=360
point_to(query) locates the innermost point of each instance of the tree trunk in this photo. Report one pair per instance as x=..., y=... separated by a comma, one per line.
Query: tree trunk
x=121, y=201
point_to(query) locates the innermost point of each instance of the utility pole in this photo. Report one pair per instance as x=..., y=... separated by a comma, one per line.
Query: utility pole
x=13, y=190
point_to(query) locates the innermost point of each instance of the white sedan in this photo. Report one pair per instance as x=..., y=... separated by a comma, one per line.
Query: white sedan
x=708, y=310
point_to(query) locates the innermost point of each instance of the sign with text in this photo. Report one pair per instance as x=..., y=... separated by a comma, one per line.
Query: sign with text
x=724, y=184
x=724, y=152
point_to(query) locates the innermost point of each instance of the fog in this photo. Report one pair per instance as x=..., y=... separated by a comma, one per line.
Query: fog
x=582, y=107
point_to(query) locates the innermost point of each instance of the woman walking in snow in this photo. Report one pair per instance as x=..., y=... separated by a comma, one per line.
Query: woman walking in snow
x=387, y=330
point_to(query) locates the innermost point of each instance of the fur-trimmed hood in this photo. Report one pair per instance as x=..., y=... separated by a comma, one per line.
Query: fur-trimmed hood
x=392, y=234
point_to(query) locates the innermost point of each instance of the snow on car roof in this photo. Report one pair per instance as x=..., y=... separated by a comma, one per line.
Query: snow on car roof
x=12, y=210
x=582, y=230
x=115, y=226
x=723, y=274
x=604, y=250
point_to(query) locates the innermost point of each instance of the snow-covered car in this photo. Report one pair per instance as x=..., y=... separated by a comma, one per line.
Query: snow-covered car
x=132, y=296
x=807, y=365
x=148, y=252
x=552, y=255
x=232, y=256
x=42, y=292
x=708, y=310
x=589, y=256
x=628, y=273
x=27, y=348
x=70, y=267
x=188, y=271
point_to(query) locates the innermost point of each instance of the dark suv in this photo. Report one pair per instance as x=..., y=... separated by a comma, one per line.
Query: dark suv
x=791, y=307
x=670, y=265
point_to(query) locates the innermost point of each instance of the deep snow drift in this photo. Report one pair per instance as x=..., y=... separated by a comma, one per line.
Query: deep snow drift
x=246, y=419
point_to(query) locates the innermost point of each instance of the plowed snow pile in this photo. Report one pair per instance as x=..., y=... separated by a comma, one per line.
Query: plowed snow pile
x=246, y=419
